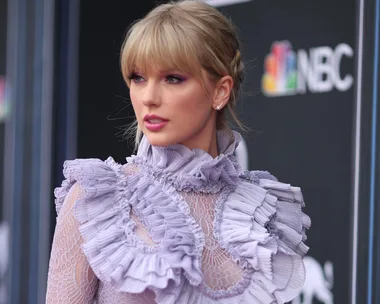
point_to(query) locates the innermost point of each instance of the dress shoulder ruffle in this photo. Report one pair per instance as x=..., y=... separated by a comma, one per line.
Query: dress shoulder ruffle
x=261, y=221
x=114, y=251
x=264, y=223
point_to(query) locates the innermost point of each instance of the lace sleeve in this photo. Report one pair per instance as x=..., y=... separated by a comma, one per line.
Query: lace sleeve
x=70, y=278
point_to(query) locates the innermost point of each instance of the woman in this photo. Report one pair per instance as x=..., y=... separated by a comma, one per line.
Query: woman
x=180, y=222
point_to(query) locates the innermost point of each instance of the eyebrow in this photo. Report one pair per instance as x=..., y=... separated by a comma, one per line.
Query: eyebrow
x=174, y=71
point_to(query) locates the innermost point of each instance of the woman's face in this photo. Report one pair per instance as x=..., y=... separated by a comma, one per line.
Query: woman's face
x=173, y=107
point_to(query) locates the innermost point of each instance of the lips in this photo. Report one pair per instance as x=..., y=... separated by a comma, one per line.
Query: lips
x=154, y=118
x=154, y=122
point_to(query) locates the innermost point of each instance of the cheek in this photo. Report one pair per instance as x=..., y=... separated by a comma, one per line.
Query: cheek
x=200, y=102
x=193, y=108
x=132, y=95
x=135, y=101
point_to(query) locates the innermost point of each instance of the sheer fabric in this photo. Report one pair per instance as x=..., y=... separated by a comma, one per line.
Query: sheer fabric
x=70, y=278
x=108, y=295
x=220, y=271
x=176, y=226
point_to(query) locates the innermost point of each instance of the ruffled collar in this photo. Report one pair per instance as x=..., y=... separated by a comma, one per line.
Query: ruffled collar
x=192, y=170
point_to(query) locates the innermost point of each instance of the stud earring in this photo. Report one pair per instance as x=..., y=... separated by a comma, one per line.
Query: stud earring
x=219, y=107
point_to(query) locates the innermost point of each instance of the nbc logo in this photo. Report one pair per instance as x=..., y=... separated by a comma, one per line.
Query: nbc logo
x=289, y=73
x=280, y=76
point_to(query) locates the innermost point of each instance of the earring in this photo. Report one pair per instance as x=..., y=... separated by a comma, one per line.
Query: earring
x=219, y=107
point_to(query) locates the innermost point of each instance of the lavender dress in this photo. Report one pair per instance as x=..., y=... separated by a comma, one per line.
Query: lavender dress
x=175, y=225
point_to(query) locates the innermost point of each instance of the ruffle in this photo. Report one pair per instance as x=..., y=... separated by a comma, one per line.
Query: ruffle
x=258, y=220
x=113, y=250
x=95, y=177
x=255, y=176
x=167, y=218
x=192, y=170
x=263, y=223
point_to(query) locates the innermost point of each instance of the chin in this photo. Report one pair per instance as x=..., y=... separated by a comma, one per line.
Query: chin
x=159, y=139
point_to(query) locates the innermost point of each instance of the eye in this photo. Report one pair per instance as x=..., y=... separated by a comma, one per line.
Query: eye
x=174, y=79
x=136, y=78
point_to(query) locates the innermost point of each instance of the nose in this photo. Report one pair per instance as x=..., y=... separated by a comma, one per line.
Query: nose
x=151, y=94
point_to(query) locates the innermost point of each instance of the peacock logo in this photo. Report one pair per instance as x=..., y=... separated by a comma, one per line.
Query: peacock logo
x=280, y=76
x=318, y=284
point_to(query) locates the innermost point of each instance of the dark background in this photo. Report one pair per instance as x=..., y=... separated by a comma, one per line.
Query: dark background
x=3, y=48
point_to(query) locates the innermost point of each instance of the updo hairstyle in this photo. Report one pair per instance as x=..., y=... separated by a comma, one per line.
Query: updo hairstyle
x=188, y=36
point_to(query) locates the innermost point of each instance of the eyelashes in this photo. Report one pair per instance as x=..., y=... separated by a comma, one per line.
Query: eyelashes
x=170, y=78
x=135, y=78
x=175, y=79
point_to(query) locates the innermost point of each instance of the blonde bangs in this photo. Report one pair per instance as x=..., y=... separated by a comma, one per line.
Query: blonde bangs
x=189, y=36
x=159, y=44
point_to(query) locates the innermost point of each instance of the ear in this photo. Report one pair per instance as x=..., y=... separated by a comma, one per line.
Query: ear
x=222, y=92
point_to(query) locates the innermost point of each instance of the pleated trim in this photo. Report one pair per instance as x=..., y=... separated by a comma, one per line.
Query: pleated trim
x=262, y=222
x=167, y=218
x=98, y=178
x=259, y=222
x=111, y=246
x=192, y=170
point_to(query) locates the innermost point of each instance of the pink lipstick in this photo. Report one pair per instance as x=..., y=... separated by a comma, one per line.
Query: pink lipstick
x=154, y=123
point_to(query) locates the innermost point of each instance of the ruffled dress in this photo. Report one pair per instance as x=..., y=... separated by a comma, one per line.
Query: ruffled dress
x=175, y=225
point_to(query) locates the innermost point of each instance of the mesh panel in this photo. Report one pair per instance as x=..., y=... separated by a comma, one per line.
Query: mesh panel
x=141, y=231
x=108, y=295
x=220, y=271
x=70, y=278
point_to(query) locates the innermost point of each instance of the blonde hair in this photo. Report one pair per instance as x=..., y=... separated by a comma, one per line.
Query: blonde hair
x=179, y=34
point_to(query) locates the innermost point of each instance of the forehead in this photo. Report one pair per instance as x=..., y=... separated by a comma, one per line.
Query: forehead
x=150, y=61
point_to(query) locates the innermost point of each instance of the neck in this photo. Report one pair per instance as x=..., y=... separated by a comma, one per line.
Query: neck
x=205, y=140
x=213, y=146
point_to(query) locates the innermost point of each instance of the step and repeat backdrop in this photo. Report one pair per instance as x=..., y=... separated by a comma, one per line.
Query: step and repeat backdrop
x=298, y=103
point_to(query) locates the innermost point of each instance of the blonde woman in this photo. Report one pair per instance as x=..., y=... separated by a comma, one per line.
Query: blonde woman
x=180, y=222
